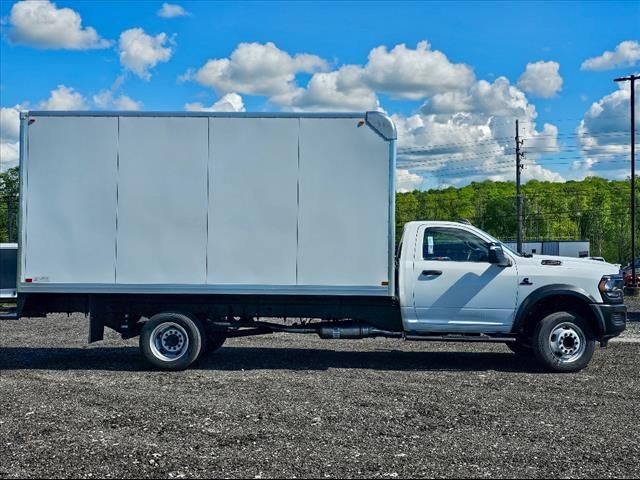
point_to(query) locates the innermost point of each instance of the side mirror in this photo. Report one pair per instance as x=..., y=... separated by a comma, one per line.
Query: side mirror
x=497, y=256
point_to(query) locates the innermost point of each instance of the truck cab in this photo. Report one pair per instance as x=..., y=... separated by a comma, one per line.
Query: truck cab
x=455, y=278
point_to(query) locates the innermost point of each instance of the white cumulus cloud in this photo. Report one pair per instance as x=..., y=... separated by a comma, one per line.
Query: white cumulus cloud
x=407, y=181
x=603, y=133
x=124, y=102
x=256, y=69
x=541, y=79
x=463, y=136
x=41, y=24
x=9, y=155
x=626, y=54
x=9, y=133
x=169, y=10
x=414, y=73
x=10, y=122
x=139, y=52
x=64, y=98
x=106, y=100
x=401, y=72
x=231, y=102
x=335, y=91
x=499, y=98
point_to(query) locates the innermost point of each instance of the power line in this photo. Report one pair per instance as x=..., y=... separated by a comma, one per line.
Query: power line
x=607, y=133
x=505, y=139
x=471, y=158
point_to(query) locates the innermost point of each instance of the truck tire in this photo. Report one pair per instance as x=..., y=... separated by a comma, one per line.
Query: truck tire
x=172, y=341
x=520, y=349
x=563, y=342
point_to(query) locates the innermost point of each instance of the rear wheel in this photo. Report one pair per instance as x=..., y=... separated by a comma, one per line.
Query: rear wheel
x=172, y=341
x=563, y=342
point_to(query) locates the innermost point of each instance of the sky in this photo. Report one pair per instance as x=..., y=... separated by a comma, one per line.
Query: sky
x=454, y=76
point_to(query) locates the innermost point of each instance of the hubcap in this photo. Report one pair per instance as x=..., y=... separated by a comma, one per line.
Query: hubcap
x=169, y=341
x=567, y=342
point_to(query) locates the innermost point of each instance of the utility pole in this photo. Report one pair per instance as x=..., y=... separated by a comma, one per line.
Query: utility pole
x=632, y=79
x=519, y=168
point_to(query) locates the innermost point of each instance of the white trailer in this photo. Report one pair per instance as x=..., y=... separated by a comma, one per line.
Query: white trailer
x=190, y=228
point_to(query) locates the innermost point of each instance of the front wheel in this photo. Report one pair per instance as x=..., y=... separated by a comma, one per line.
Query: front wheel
x=172, y=341
x=563, y=342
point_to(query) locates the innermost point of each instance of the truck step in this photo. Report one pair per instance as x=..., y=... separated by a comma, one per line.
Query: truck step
x=460, y=338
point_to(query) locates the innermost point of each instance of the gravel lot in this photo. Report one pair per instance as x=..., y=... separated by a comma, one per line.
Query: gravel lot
x=632, y=303
x=300, y=406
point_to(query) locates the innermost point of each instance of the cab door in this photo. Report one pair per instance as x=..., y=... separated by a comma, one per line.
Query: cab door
x=456, y=288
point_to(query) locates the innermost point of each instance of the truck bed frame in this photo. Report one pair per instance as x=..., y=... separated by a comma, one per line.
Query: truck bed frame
x=122, y=312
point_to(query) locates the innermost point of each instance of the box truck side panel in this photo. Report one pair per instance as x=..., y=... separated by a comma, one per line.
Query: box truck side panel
x=162, y=200
x=70, y=208
x=201, y=203
x=253, y=201
x=343, y=216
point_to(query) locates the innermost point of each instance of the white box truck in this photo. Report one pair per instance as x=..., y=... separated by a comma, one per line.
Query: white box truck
x=190, y=228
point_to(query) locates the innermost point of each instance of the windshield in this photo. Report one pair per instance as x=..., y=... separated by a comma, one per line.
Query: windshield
x=509, y=249
x=495, y=240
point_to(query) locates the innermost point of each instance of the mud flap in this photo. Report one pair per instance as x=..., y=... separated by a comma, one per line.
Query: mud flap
x=96, y=327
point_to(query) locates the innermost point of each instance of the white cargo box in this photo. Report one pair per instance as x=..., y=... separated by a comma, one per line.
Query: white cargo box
x=207, y=203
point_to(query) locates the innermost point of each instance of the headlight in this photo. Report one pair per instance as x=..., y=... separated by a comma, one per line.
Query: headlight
x=612, y=288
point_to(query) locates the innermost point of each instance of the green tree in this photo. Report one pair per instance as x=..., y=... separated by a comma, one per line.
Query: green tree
x=9, y=188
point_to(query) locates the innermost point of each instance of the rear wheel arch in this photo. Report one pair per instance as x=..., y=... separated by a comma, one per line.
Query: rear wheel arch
x=551, y=299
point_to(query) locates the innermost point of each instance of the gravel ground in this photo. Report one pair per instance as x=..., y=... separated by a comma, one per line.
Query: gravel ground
x=632, y=303
x=285, y=406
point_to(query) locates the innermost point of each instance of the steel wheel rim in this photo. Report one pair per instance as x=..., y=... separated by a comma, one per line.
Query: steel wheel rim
x=169, y=341
x=568, y=342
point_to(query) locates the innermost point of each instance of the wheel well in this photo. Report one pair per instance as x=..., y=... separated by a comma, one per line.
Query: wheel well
x=556, y=303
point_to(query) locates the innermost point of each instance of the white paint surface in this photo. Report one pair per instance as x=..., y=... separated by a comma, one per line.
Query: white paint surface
x=233, y=204
x=344, y=195
x=71, y=200
x=253, y=175
x=162, y=200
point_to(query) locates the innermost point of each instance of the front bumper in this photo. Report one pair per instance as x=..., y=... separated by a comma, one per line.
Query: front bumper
x=612, y=319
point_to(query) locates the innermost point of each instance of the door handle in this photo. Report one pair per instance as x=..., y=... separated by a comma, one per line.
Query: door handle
x=432, y=273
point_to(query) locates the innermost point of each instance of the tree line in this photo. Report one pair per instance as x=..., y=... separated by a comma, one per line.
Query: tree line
x=9, y=188
x=593, y=209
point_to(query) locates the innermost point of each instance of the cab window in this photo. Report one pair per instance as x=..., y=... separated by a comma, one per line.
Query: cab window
x=454, y=245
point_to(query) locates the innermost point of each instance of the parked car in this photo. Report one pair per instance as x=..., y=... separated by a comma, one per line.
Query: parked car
x=190, y=228
x=627, y=274
x=628, y=265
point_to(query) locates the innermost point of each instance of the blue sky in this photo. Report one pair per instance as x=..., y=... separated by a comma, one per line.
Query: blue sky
x=482, y=41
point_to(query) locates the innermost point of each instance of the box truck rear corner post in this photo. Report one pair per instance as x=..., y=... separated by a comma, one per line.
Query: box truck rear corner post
x=186, y=229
